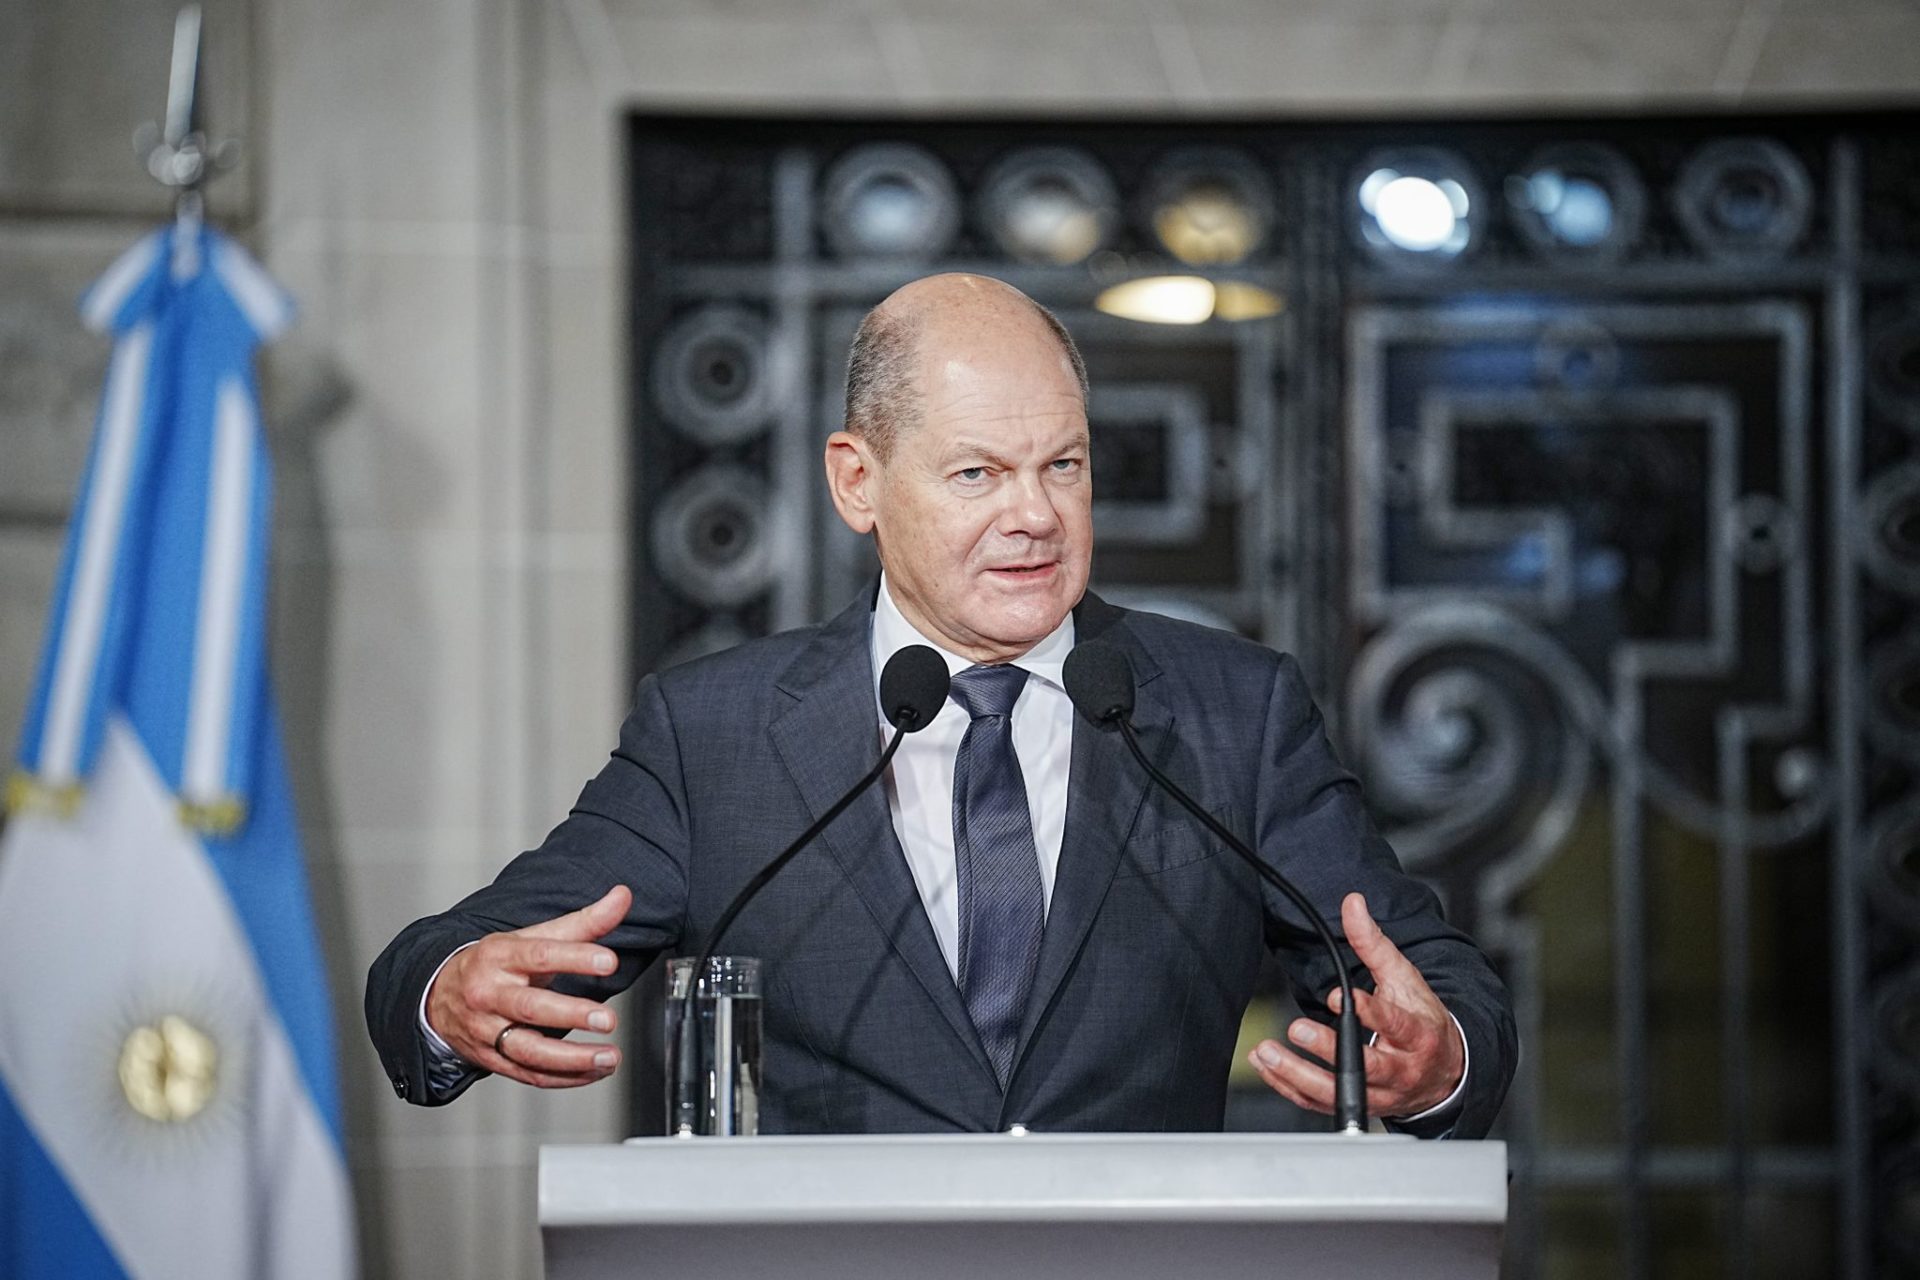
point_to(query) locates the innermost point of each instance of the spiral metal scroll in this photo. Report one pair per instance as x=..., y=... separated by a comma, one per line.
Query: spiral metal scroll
x=1469, y=730
x=1477, y=733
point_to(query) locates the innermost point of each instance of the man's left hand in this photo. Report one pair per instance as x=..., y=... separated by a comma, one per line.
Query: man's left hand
x=1416, y=1059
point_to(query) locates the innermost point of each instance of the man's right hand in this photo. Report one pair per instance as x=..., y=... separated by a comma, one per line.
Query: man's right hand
x=501, y=981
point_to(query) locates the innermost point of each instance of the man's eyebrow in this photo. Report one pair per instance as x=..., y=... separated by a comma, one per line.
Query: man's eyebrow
x=965, y=448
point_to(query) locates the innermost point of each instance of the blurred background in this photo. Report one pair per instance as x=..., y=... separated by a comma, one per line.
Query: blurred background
x=1548, y=380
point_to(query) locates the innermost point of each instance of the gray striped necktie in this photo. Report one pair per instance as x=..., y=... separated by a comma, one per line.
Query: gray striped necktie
x=1002, y=902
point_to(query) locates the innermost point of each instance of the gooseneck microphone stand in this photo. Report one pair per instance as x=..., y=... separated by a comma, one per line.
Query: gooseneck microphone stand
x=912, y=689
x=1100, y=681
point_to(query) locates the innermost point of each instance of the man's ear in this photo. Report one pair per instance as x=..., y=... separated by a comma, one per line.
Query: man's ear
x=851, y=478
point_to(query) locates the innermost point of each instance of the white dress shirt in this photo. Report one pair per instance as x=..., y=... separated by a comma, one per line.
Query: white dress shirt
x=919, y=782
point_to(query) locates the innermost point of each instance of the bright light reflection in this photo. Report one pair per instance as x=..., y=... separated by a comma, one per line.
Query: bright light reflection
x=1160, y=300
x=1207, y=224
x=1188, y=300
x=1238, y=300
x=1416, y=214
x=1052, y=224
x=889, y=216
x=1577, y=210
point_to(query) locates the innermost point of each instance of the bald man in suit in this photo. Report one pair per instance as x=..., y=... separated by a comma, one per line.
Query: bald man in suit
x=1017, y=928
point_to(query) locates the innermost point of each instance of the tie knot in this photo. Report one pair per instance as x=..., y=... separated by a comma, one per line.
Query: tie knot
x=988, y=691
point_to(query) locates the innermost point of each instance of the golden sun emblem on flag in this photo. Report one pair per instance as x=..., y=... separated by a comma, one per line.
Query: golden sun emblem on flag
x=168, y=1069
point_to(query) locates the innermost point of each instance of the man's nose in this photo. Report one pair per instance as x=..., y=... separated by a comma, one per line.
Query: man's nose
x=1029, y=509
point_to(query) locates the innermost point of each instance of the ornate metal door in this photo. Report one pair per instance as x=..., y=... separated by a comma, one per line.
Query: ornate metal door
x=1577, y=463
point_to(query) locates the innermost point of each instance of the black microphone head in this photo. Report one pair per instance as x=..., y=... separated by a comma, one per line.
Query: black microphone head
x=1099, y=679
x=913, y=687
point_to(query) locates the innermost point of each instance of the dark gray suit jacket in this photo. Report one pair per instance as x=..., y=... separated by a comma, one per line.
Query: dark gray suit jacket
x=1155, y=934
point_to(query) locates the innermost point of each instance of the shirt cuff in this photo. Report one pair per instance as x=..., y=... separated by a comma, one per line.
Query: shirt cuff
x=445, y=1068
x=1459, y=1090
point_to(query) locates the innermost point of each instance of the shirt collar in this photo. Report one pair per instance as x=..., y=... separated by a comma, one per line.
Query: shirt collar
x=892, y=633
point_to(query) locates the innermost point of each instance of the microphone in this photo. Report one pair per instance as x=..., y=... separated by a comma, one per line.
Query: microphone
x=913, y=688
x=1099, y=681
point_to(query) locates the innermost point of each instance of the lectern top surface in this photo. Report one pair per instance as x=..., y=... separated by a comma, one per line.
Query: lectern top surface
x=1024, y=1178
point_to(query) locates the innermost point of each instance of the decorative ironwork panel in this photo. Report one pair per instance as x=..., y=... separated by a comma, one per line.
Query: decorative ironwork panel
x=1580, y=465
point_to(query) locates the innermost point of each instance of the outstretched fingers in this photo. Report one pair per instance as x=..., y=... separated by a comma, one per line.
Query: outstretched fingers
x=502, y=984
x=531, y=1058
x=539, y=1007
x=1310, y=1086
x=539, y=956
x=595, y=920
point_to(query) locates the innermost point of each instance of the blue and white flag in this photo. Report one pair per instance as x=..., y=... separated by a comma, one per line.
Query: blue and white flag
x=168, y=1105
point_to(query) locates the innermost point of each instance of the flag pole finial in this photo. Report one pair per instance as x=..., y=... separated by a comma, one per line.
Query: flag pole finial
x=177, y=151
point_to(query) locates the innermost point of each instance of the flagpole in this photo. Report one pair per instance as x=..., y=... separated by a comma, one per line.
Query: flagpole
x=178, y=152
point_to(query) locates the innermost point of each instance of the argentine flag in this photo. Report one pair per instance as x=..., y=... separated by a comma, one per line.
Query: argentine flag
x=168, y=1105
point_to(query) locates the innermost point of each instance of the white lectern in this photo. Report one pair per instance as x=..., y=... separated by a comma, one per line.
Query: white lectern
x=1098, y=1206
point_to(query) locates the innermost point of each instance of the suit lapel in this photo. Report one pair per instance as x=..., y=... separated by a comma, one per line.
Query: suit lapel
x=1104, y=792
x=827, y=739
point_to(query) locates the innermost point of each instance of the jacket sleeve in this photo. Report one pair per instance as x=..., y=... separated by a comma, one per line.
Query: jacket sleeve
x=629, y=827
x=1310, y=823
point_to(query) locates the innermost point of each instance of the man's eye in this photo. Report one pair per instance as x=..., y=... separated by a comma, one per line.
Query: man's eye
x=971, y=473
x=1066, y=464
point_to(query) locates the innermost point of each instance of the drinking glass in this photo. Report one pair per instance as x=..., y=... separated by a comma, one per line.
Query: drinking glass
x=713, y=1077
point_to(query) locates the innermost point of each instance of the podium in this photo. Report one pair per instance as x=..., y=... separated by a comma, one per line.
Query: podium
x=1062, y=1206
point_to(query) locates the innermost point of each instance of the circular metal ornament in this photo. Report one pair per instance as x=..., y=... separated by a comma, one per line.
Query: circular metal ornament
x=1762, y=533
x=1887, y=536
x=1891, y=710
x=890, y=200
x=1577, y=356
x=709, y=537
x=1208, y=206
x=1893, y=864
x=1896, y=1030
x=1798, y=773
x=1418, y=207
x=1893, y=366
x=711, y=376
x=1744, y=198
x=1578, y=202
x=1052, y=206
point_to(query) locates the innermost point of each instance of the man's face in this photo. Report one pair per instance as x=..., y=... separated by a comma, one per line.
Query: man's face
x=984, y=510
